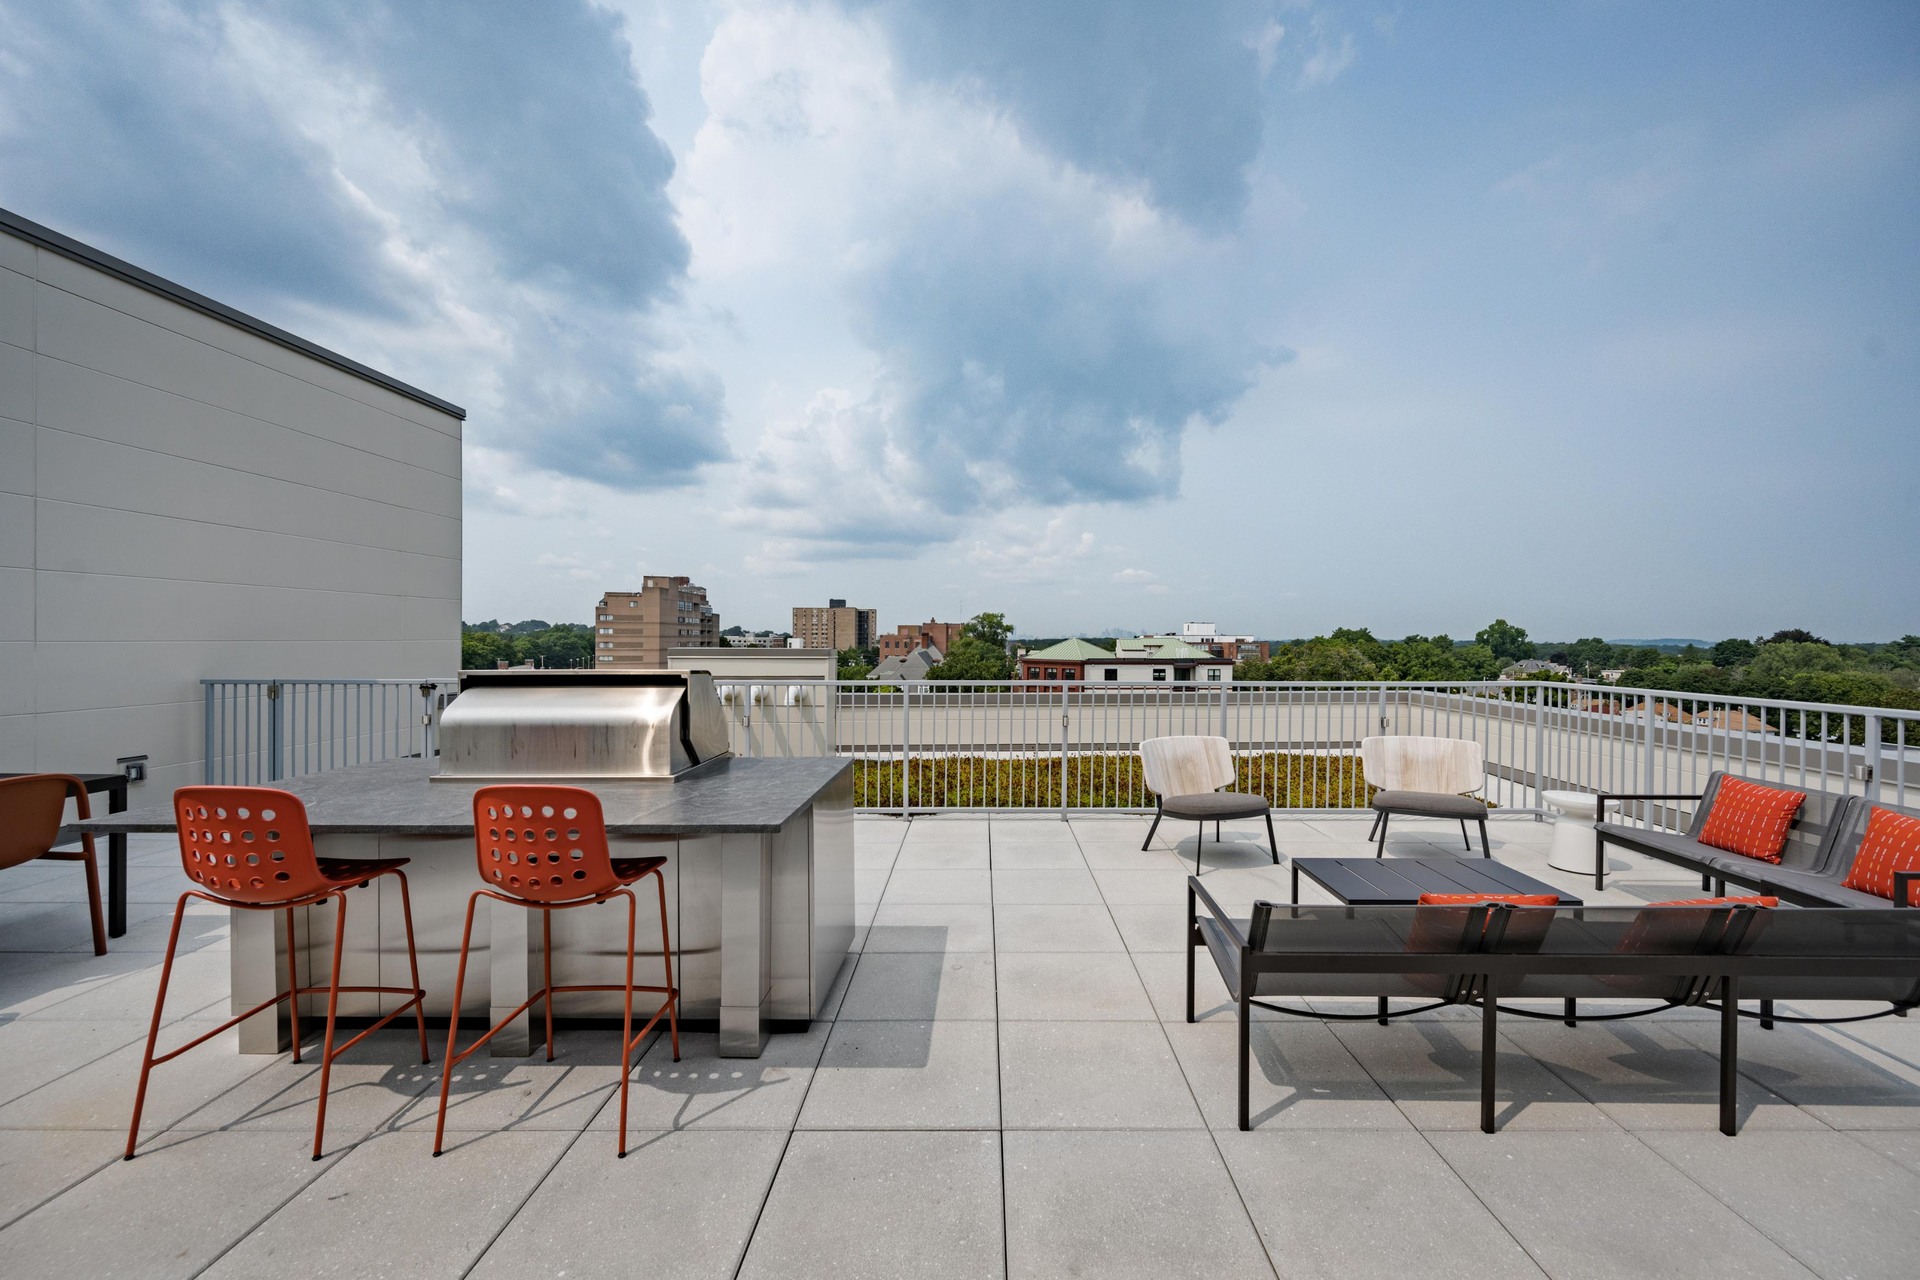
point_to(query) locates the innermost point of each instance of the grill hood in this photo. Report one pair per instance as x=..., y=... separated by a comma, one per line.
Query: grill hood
x=515, y=726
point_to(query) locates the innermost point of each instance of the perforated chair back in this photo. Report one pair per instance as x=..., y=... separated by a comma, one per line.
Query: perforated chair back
x=1186, y=764
x=248, y=844
x=542, y=843
x=1437, y=766
x=30, y=813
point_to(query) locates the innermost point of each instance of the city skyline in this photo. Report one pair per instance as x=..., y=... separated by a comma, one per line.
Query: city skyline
x=1599, y=317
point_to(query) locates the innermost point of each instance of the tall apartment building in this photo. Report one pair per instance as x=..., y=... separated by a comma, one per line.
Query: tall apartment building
x=636, y=628
x=836, y=626
x=909, y=637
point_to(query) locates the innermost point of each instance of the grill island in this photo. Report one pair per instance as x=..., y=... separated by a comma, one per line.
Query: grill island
x=759, y=874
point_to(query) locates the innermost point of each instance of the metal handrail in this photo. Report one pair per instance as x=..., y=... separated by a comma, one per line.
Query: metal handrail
x=1071, y=745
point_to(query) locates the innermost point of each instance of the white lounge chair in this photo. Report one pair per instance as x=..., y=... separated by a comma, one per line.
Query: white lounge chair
x=1185, y=774
x=1426, y=778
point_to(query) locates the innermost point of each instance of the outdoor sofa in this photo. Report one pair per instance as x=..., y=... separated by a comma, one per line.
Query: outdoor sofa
x=1818, y=854
x=1483, y=953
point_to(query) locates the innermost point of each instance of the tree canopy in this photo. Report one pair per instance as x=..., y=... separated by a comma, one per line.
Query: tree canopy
x=487, y=644
x=979, y=652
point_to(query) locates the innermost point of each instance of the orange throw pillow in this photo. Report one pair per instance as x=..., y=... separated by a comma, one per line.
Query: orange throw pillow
x=1750, y=819
x=1716, y=902
x=1892, y=843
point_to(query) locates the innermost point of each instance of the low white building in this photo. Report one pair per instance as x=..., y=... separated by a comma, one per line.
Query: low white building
x=1160, y=660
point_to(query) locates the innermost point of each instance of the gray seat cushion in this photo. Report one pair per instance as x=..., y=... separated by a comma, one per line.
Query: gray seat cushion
x=1213, y=806
x=1826, y=889
x=1429, y=804
x=1683, y=850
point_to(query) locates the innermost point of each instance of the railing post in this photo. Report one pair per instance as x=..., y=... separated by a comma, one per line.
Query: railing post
x=427, y=689
x=206, y=743
x=1646, y=758
x=906, y=746
x=1540, y=751
x=1871, y=783
x=273, y=731
x=1063, y=752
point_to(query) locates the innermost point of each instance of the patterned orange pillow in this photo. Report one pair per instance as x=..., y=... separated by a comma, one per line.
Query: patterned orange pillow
x=1750, y=819
x=1756, y=900
x=1892, y=843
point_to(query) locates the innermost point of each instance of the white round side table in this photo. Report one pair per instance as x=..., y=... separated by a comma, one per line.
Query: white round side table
x=1572, y=848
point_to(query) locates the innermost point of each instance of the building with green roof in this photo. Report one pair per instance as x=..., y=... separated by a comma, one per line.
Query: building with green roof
x=1136, y=660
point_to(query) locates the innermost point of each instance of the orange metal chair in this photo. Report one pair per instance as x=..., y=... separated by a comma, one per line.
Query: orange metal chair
x=250, y=848
x=30, y=811
x=545, y=848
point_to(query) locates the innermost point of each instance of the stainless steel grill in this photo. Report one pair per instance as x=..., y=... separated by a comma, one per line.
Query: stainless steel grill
x=512, y=726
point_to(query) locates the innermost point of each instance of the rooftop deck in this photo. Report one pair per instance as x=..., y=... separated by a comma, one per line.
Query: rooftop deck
x=1007, y=1086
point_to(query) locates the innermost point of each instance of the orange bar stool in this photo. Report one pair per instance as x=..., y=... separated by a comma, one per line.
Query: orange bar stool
x=250, y=848
x=545, y=848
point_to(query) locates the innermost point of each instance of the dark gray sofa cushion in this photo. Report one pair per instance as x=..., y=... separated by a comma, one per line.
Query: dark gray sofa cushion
x=1429, y=804
x=1827, y=889
x=1213, y=806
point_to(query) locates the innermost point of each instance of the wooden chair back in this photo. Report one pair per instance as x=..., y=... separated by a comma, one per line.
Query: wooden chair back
x=1186, y=764
x=1438, y=766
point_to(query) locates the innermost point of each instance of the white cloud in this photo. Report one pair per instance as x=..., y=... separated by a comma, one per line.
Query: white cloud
x=573, y=568
x=1036, y=333
x=1330, y=57
x=1016, y=552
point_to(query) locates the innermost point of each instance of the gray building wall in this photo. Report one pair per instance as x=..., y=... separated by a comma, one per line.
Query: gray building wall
x=187, y=492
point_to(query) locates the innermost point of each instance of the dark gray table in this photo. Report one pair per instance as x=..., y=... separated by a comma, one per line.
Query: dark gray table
x=1388, y=882
x=115, y=785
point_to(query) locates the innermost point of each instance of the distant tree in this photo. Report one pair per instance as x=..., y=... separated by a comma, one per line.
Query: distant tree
x=989, y=628
x=1508, y=642
x=483, y=650
x=1323, y=659
x=1794, y=636
x=1777, y=664
x=1477, y=662
x=972, y=658
x=1734, y=653
x=1589, y=657
x=561, y=646
x=858, y=663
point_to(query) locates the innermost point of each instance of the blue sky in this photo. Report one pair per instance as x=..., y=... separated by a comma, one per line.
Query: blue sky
x=1602, y=317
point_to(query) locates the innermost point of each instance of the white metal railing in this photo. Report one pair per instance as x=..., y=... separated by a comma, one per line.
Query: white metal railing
x=266, y=730
x=925, y=745
x=990, y=745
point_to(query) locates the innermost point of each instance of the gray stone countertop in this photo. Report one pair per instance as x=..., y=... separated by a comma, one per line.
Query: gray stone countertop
x=397, y=797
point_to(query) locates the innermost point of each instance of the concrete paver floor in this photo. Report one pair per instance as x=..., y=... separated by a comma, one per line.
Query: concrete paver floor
x=1006, y=1086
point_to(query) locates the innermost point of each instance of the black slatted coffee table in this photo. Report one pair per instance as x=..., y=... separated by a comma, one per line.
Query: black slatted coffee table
x=1387, y=882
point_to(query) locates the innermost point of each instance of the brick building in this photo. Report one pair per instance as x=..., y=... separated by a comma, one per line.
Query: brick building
x=836, y=626
x=636, y=628
x=907, y=638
